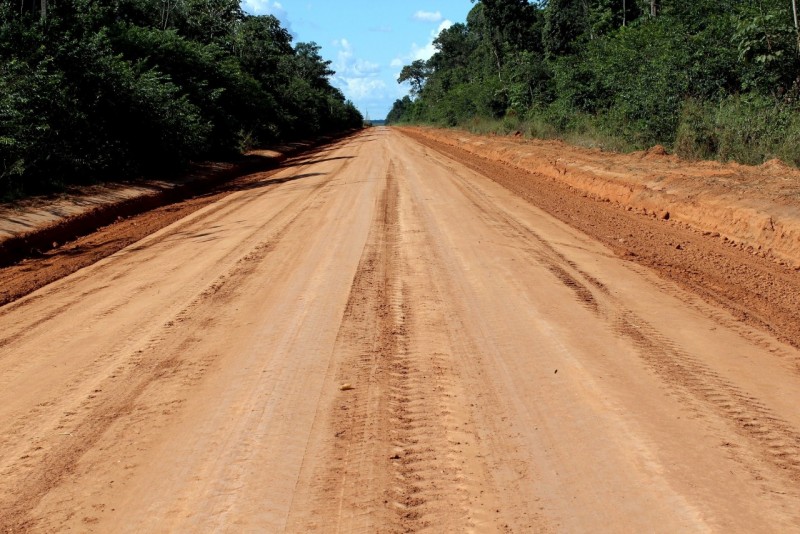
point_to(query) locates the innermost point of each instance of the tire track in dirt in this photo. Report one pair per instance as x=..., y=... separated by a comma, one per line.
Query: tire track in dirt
x=755, y=290
x=777, y=441
x=350, y=486
x=48, y=467
x=31, y=274
x=404, y=454
x=123, y=268
x=381, y=359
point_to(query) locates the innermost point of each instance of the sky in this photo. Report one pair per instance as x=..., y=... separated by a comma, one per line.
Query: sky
x=367, y=41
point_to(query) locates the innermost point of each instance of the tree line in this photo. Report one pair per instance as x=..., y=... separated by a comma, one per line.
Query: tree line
x=708, y=78
x=91, y=89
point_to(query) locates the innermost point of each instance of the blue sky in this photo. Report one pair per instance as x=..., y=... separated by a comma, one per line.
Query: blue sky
x=367, y=41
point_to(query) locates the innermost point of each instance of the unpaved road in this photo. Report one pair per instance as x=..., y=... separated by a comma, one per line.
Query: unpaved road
x=379, y=338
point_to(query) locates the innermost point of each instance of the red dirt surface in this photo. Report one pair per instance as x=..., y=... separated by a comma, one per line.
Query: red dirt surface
x=391, y=336
x=44, y=255
x=754, y=208
x=753, y=286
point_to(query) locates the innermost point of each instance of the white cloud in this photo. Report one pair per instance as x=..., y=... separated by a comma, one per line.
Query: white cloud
x=356, y=77
x=267, y=7
x=421, y=52
x=263, y=7
x=345, y=54
x=424, y=52
x=428, y=16
x=363, y=88
x=347, y=64
x=364, y=67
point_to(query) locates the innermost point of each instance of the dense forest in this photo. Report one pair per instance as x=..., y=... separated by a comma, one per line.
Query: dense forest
x=91, y=89
x=706, y=78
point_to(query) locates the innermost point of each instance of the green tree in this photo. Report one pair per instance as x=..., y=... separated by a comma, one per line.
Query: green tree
x=122, y=87
x=415, y=74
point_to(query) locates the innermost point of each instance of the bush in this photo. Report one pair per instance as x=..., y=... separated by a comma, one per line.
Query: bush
x=749, y=129
x=112, y=89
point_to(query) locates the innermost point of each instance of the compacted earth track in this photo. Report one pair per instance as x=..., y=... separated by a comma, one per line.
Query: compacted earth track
x=381, y=337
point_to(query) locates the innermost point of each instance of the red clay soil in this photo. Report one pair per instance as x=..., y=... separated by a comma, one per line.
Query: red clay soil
x=755, y=206
x=391, y=341
x=42, y=257
x=756, y=289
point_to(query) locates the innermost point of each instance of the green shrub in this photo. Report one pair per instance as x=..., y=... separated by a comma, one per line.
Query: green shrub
x=749, y=129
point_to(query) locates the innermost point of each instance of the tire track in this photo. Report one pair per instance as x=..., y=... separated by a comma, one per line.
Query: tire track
x=84, y=425
x=776, y=440
x=399, y=461
x=755, y=290
x=352, y=488
x=211, y=215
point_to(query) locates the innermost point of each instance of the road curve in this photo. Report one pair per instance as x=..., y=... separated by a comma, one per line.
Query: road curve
x=380, y=339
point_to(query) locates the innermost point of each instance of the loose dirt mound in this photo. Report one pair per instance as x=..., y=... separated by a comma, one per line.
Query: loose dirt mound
x=656, y=152
x=776, y=165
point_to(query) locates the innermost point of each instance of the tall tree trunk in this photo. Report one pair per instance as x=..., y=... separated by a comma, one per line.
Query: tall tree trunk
x=499, y=64
x=653, y=8
x=796, y=27
x=588, y=14
x=624, y=12
x=44, y=10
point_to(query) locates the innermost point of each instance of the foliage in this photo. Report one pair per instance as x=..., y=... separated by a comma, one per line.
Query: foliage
x=415, y=74
x=710, y=78
x=120, y=87
x=750, y=129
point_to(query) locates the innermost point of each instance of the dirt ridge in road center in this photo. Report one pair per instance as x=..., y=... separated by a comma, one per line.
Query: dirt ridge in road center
x=754, y=289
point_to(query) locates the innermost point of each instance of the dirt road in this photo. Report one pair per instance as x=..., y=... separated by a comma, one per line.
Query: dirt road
x=379, y=338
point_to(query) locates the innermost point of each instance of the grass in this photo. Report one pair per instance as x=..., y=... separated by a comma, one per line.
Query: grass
x=749, y=130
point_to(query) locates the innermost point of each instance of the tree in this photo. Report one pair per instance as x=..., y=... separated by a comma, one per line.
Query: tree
x=212, y=21
x=415, y=74
x=125, y=87
x=311, y=66
x=513, y=24
x=565, y=23
x=400, y=110
x=796, y=27
x=454, y=47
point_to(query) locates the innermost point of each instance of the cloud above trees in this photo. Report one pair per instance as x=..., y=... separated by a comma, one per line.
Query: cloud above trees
x=428, y=16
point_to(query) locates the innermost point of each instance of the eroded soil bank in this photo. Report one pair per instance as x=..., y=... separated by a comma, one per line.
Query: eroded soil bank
x=45, y=239
x=584, y=188
x=753, y=208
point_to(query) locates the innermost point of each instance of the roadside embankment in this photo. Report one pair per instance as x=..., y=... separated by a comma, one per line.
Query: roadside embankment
x=756, y=208
x=43, y=239
x=35, y=225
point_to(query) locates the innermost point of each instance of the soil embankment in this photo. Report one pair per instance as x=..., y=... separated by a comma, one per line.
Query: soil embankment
x=45, y=239
x=753, y=208
x=748, y=281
